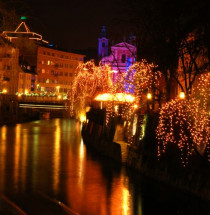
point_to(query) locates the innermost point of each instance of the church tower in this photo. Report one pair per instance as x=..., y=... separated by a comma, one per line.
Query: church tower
x=102, y=44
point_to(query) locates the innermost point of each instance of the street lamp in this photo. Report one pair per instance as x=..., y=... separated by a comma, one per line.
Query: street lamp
x=149, y=97
x=4, y=91
x=182, y=95
x=58, y=87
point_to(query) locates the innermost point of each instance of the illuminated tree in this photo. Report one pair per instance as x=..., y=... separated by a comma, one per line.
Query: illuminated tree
x=185, y=123
x=88, y=80
x=140, y=78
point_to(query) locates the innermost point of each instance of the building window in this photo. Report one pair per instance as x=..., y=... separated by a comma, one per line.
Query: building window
x=103, y=44
x=43, y=70
x=123, y=58
x=70, y=74
x=48, y=62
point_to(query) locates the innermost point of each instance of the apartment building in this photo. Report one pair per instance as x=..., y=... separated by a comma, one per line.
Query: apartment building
x=55, y=70
x=9, y=67
x=45, y=70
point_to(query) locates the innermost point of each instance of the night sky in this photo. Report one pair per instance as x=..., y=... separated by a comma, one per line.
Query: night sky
x=72, y=24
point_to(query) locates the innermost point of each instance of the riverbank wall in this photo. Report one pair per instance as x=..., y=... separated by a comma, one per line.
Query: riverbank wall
x=142, y=155
x=95, y=136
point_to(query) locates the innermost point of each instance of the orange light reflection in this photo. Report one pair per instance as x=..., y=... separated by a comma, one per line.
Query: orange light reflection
x=3, y=134
x=17, y=155
x=56, y=157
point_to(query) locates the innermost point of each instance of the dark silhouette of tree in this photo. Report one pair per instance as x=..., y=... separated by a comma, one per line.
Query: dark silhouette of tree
x=160, y=28
x=10, y=13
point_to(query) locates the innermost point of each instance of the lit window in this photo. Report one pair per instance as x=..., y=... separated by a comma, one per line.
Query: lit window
x=48, y=81
x=48, y=62
x=43, y=70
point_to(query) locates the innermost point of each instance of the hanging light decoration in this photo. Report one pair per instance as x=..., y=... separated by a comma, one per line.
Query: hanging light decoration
x=186, y=122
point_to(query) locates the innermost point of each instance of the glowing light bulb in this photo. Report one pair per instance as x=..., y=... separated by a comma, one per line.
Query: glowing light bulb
x=182, y=95
x=149, y=96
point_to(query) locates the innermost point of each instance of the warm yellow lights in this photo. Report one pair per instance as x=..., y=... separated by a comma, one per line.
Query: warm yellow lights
x=82, y=118
x=119, y=97
x=4, y=91
x=59, y=97
x=185, y=122
x=135, y=106
x=182, y=95
x=26, y=92
x=149, y=96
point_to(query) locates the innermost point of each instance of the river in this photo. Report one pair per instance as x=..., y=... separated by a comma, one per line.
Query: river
x=45, y=168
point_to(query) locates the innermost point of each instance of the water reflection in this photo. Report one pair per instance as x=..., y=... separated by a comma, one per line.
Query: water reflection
x=17, y=155
x=3, y=134
x=50, y=157
x=56, y=156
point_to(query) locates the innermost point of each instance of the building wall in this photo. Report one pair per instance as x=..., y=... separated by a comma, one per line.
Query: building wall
x=102, y=47
x=8, y=69
x=122, y=56
x=24, y=82
x=55, y=70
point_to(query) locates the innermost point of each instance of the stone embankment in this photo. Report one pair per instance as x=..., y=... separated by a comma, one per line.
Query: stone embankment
x=142, y=155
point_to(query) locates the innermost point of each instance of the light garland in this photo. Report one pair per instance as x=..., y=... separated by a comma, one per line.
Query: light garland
x=186, y=123
x=87, y=81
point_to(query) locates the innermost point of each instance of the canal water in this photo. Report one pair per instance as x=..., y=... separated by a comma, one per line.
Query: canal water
x=45, y=168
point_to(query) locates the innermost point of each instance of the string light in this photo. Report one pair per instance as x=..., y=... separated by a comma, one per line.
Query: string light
x=88, y=80
x=186, y=122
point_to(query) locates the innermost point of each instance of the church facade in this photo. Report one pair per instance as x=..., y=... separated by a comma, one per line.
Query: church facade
x=120, y=57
